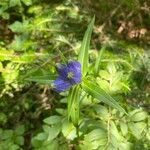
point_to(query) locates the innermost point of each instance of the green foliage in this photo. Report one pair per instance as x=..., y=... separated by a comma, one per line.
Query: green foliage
x=109, y=109
x=100, y=94
x=12, y=139
x=113, y=81
x=98, y=61
x=84, y=50
x=100, y=127
x=73, y=105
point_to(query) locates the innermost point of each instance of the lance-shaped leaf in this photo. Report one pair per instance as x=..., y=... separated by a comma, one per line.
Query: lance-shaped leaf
x=84, y=50
x=73, y=105
x=41, y=79
x=98, y=93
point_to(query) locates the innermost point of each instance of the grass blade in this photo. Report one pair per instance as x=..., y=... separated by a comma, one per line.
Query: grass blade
x=41, y=79
x=84, y=54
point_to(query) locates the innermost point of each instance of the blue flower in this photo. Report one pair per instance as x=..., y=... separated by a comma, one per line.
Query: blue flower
x=69, y=75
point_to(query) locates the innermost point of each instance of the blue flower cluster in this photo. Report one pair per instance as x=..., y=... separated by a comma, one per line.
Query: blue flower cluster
x=69, y=75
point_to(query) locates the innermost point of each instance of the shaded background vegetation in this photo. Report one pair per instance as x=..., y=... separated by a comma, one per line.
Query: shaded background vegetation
x=32, y=32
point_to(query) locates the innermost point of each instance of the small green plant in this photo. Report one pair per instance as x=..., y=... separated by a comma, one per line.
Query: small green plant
x=99, y=127
x=12, y=139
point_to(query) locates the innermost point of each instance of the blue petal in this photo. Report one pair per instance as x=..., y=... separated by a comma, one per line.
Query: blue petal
x=76, y=79
x=74, y=65
x=62, y=70
x=75, y=68
x=61, y=85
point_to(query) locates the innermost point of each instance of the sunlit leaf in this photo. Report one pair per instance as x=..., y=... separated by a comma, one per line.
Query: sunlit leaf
x=96, y=134
x=6, y=55
x=137, y=128
x=53, y=132
x=98, y=93
x=102, y=111
x=124, y=128
x=115, y=132
x=138, y=115
x=68, y=130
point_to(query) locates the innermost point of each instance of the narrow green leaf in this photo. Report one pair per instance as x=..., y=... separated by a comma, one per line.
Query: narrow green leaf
x=98, y=60
x=73, y=105
x=98, y=93
x=83, y=53
x=137, y=128
x=41, y=79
